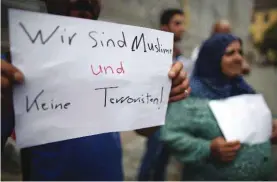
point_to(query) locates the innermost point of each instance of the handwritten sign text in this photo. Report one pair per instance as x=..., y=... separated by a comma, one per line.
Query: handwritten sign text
x=85, y=77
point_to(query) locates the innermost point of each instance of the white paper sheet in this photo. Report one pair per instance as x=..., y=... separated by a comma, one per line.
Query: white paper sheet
x=63, y=96
x=246, y=118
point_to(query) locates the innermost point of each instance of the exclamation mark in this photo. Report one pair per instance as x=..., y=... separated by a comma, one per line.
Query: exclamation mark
x=161, y=98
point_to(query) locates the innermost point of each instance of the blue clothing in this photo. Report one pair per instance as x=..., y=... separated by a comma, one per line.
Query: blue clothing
x=3, y=56
x=154, y=161
x=91, y=158
x=7, y=126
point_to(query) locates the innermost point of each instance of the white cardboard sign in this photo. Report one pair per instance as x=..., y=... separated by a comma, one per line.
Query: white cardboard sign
x=85, y=77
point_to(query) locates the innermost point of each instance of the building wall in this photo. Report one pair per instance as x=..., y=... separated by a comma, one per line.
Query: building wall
x=200, y=14
x=260, y=22
x=204, y=13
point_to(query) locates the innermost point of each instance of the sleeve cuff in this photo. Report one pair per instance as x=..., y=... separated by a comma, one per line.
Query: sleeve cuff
x=206, y=149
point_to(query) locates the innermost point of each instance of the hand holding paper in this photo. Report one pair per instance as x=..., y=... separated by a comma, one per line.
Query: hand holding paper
x=274, y=132
x=223, y=150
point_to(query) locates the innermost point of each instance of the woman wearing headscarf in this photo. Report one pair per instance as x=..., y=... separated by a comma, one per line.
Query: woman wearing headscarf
x=191, y=130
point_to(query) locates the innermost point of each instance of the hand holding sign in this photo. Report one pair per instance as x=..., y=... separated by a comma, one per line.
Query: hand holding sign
x=180, y=85
x=10, y=75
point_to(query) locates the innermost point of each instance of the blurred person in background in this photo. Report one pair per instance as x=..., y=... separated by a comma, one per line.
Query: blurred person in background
x=173, y=20
x=97, y=157
x=221, y=26
x=192, y=132
x=156, y=157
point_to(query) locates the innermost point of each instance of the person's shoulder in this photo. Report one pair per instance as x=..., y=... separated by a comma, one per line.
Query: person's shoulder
x=189, y=103
x=194, y=53
x=191, y=110
x=196, y=49
x=182, y=58
x=197, y=102
x=187, y=62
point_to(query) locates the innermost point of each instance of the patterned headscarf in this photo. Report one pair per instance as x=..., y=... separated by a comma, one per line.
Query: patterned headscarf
x=208, y=80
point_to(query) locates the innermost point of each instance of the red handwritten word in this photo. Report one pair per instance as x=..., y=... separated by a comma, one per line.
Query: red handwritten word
x=108, y=69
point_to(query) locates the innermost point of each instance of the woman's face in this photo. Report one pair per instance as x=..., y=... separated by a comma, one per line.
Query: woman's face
x=232, y=60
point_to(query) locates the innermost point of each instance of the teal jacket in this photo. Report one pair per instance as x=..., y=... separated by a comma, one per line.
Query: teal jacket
x=190, y=127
